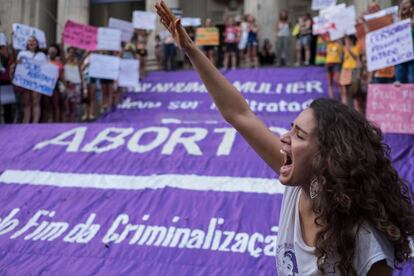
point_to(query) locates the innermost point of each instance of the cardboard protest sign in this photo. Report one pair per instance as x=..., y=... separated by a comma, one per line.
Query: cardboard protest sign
x=393, y=11
x=322, y=4
x=391, y=107
x=380, y=22
x=109, y=39
x=72, y=74
x=3, y=39
x=190, y=21
x=126, y=27
x=37, y=76
x=389, y=46
x=80, y=35
x=144, y=20
x=128, y=73
x=104, y=66
x=207, y=36
x=22, y=32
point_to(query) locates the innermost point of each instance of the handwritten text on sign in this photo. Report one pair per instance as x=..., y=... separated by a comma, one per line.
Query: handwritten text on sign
x=390, y=46
x=392, y=107
x=21, y=33
x=36, y=76
x=207, y=36
x=80, y=35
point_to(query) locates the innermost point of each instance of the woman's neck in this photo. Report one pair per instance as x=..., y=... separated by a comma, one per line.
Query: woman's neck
x=305, y=203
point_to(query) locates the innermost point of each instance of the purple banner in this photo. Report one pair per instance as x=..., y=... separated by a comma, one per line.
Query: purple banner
x=147, y=198
x=280, y=94
x=141, y=197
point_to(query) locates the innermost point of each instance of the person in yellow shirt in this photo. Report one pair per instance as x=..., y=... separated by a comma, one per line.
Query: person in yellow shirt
x=350, y=74
x=334, y=51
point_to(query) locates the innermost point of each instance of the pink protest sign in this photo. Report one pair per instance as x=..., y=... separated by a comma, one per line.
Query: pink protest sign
x=391, y=107
x=80, y=35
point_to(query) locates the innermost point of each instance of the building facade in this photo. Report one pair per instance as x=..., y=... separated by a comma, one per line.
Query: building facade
x=51, y=15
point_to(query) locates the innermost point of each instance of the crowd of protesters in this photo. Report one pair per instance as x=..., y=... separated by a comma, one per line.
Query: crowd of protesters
x=72, y=100
x=344, y=60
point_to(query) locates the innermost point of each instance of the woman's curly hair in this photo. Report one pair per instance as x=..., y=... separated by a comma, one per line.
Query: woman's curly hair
x=358, y=186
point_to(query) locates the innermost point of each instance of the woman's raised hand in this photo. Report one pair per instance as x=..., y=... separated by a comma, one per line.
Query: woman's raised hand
x=173, y=25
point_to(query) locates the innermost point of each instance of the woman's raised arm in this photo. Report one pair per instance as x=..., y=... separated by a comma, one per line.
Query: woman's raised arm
x=227, y=98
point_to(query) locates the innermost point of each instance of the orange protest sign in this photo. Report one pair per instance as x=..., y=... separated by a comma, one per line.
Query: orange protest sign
x=207, y=37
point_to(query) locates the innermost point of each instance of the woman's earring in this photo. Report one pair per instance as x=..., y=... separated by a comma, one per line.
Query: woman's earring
x=314, y=188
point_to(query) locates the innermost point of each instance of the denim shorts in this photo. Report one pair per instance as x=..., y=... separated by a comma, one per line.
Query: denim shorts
x=304, y=40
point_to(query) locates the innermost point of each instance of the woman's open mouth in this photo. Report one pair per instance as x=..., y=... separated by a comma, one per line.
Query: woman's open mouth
x=287, y=164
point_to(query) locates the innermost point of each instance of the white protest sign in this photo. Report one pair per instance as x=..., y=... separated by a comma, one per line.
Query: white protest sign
x=36, y=76
x=3, y=39
x=22, y=32
x=128, y=73
x=104, y=66
x=126, y=28
x=322, y=4
x=389, y=46
x=144, y=20
x=109, y=39
x=344, y=21
x=72, y=74
x=321, y=25
x=190, y=21
x=391, y=10
x=332, y=11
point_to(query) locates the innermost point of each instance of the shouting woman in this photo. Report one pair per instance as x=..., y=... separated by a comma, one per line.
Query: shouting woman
x=345, y=210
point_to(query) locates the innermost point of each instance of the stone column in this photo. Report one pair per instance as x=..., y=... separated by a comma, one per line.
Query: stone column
x=149, y=5
x=266, y=13
x=37, y=13
x=76, y=10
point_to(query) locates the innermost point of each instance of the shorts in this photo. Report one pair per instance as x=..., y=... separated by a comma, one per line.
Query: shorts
x=208, y=48
x=333, y=67
x=231, y=47
x=106, y=81
x=73, y=92
x=142, y=52
x=252, y=43
x=304, y=40
x=91, y=80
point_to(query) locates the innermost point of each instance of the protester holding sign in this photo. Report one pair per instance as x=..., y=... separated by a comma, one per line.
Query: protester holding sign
x=333, y=64
x=7, y=97
x=404, y=72
x=252, y=41
x=88, y=89
x=304, y=39
x=31, y=99
x=73, y=81
x=210, y=50
x=231, y=40
x=52, y=104
x=282, y=38
x=345, y=209
x=349, y=73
